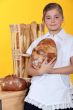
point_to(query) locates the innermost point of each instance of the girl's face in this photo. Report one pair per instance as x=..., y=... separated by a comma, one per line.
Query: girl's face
x=53, y=20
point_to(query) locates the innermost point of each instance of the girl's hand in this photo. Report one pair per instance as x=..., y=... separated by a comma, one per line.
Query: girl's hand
x=46, y=67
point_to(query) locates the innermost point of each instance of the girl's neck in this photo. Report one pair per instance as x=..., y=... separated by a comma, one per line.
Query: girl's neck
x=55, y=32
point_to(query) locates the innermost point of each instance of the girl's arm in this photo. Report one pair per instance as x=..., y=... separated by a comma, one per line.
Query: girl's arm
x=48, y=68
x=64, y=70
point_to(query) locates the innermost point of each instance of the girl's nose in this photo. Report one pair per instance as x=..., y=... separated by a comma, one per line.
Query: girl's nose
x=52, y=20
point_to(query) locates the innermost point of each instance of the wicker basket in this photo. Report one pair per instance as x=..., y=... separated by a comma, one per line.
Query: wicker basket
x=22, y=36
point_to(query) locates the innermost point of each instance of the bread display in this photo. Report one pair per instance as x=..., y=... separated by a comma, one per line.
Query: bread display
x=22, y=35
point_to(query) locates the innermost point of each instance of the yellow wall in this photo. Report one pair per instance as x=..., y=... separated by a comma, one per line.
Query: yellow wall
x=24, y=11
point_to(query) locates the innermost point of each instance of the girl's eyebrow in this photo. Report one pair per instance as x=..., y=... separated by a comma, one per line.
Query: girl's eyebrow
x=50, y=15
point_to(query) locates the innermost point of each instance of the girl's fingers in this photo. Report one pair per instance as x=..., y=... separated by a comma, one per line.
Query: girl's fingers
x=53, y=60
x=45, y=61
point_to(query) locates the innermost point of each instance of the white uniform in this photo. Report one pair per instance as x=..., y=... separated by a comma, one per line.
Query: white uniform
x=52, y=91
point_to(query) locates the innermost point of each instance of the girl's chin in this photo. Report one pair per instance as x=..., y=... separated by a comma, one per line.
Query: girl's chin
x=54, y=29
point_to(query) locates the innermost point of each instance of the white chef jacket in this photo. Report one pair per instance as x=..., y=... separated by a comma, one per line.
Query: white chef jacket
x=52, y=91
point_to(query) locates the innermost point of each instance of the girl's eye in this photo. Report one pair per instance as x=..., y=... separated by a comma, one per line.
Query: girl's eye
x=57, y=17
x=48, y=18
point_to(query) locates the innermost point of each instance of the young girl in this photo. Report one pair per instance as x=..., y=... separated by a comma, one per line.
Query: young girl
x=50, y=85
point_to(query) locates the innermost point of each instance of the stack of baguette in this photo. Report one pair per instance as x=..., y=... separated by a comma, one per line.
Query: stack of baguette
x=22, y=35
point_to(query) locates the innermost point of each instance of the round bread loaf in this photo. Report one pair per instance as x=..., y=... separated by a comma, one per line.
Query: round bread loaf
x=45, y=49
x=13, y=83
